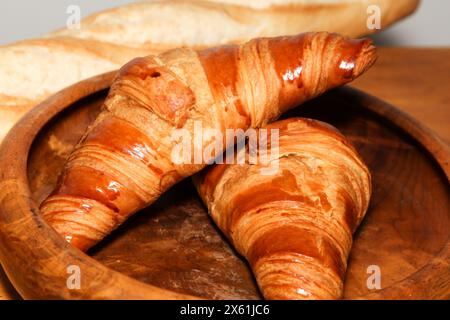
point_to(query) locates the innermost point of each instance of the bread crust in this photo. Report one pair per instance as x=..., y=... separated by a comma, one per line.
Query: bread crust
x=32, y=70
x=295, y=225
x=167, y=24
x=125, y=160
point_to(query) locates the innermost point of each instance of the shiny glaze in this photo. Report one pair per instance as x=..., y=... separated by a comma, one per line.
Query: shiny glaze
x=294, y=209
x=287, y=53
x=85, y=182
x=299, y=241
x=118, y=135
x=349, y=52
x=221, y=66
x=157, y=88
x=289, y=63
x=279, y=188
x=79, y=241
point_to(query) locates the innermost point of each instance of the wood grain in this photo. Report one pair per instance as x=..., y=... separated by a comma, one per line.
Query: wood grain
x=31, y=252
x=414, y=79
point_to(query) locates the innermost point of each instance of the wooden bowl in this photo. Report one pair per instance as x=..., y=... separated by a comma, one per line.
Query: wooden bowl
x=173, y=250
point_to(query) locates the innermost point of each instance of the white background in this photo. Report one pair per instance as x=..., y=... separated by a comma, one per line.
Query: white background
x=22, y=19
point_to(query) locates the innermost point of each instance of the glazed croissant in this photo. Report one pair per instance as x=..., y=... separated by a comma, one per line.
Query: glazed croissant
x=124, y=161
x=295, y=226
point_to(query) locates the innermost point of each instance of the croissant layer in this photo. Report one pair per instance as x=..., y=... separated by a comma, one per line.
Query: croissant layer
x=125, y=159
x=294, y=226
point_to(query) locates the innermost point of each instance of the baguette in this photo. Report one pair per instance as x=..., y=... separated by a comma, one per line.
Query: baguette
x=32, y=70
x=167, y=24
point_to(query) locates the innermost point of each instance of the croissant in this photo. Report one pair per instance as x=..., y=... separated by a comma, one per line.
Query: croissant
x=124, y=161
x=294, y=226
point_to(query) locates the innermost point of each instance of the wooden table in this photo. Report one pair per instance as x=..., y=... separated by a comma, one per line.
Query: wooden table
x=415, y=80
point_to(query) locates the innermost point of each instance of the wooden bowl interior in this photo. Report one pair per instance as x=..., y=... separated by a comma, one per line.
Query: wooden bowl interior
x=173, y=244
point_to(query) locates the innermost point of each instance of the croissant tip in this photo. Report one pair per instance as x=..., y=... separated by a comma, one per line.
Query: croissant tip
x=367, y=57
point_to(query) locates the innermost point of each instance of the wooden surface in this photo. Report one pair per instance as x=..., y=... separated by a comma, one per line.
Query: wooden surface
x=417, y=80
x=35, y=258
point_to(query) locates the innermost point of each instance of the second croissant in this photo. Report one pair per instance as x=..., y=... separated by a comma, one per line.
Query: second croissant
x=295, y=225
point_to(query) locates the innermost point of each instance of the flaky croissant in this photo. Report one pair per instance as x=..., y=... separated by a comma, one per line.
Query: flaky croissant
x=294, y=226
x=123, y=162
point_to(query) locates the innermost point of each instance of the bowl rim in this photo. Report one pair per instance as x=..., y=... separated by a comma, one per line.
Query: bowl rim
x=35, y=257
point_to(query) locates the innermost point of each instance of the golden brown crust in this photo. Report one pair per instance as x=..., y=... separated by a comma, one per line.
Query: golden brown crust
x=294, y=227
x=153, y=96
x=32, y=70
x=36, y=69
